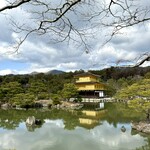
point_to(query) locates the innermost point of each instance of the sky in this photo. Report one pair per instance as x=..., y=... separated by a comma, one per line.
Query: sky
x=37, y=54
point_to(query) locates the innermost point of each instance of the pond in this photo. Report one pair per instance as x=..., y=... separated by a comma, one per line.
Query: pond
x=84, y=129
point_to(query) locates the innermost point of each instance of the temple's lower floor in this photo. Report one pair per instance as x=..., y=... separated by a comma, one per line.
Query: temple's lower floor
x=91, y=94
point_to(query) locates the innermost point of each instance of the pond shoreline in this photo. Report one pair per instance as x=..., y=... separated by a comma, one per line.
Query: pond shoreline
x=142, y=126
x=47, y=104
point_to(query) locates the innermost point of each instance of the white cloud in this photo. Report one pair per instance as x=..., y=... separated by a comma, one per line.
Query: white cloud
x=12, y=71
x=70, y=65
x=41, y=56
x=3, y=3
x=7, y=71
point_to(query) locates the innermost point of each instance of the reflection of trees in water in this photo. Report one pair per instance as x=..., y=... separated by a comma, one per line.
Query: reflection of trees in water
x=70, y=117
x=10, y=119
x=121, y=113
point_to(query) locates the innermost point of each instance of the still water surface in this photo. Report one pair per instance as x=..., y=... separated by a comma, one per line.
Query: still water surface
x=72, y=130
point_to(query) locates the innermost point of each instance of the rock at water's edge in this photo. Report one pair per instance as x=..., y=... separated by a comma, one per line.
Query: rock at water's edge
x=5, y=106
x=141, y=126
x=30, y=120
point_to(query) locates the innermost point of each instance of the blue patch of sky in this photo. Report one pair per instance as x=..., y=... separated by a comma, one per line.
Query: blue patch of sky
x=14, y=65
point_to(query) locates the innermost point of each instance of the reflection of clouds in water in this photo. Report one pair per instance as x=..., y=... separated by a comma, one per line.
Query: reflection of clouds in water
x=41, y=138
x=58, y=123
x=114, y=137
x=53, y=136
x=22, y=125
x=7, y=139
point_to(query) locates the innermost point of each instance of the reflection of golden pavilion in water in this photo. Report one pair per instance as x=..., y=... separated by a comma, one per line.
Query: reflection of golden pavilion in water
x=91, y=118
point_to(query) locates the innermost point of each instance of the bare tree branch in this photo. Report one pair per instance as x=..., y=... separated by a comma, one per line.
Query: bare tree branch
x=59, y=19
x=15, y=4
x=62, y=13
x=142, y=59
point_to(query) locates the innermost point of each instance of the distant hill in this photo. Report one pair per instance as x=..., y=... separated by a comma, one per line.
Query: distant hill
x=34, y=73
x=55, y=72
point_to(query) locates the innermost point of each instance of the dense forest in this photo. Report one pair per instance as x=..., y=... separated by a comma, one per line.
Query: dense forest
x=26, y=89
x=121, y=72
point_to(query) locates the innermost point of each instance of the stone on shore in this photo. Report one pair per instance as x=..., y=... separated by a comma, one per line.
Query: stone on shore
x=68, y=105
x=141, y=126
x=5, y=106
x=43, y=103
